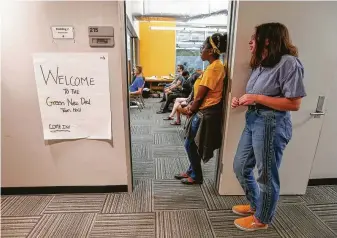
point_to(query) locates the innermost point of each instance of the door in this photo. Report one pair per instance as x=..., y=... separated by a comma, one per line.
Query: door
x=325, y=162
x=317, y=49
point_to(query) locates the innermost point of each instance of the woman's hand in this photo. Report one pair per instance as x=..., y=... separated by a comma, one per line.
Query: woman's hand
x=188, y=111
x=247, y=99
x=235, y=102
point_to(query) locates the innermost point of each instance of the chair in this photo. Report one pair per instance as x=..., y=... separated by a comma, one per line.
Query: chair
x=138, y=99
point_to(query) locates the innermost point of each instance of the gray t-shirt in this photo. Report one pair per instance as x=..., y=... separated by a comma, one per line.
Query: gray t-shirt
x=178, y=78
x=283, y=80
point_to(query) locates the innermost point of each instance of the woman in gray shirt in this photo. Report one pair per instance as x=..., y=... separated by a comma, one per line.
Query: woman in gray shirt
x=275, y=87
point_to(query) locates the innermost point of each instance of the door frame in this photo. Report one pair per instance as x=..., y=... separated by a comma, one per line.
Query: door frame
x=231, y=29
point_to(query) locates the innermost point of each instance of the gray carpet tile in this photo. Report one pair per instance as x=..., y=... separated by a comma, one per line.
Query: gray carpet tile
x=209, y=169
x=136, y=116
x=140, y=130
x=162, y=151
x=141, y=152
x=159, y=122
x=143, y=170
x=159, y=129
x=140, y=225
x=320, y=195
x=328, y=213
x=64, y=225
x=17, y=226
x=142, y=139
x=172, y=195
x=333, y=187
x=223, y=225
x=215, y=201
x=88, y=203
x=167, y=139
x=24, y=205
x=139, y=201
x=183, y=224
x=298, y=221
x=166, y=168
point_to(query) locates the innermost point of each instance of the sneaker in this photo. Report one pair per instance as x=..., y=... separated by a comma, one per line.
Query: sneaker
x=243, y=210
x=249, y=224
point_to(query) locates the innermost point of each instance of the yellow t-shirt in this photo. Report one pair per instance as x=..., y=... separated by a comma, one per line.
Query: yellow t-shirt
x=213, y=79
x=196, y=86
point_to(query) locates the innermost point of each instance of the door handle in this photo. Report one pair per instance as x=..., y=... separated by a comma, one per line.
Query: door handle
x=319, y=108
x=317, y=113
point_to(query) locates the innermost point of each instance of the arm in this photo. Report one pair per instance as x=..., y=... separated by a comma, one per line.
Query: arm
x=175, y=85
x=137, y=92
x=202, y=92
x=281, y=104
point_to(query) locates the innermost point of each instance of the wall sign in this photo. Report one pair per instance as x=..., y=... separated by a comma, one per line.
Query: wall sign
x=74, y=95
x=101, y=36
x=62, y=32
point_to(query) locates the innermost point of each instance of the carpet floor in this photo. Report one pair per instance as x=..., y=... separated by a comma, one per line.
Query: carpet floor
x=161, y=206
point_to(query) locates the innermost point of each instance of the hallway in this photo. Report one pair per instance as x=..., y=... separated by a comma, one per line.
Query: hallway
x=160, y=206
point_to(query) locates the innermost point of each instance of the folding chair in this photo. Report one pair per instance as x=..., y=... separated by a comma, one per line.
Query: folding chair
x=138, y=99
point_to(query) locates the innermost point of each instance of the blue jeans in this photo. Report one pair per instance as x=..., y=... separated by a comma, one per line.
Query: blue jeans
x=262, y=143
x=194, y=171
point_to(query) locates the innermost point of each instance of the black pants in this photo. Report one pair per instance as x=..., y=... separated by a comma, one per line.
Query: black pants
x=170, y=99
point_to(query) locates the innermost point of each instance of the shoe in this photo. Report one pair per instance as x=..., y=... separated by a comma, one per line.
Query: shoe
x=168, y=119
x=181, y=176
x=249, y=224
x=190, y=181
x=243, y=210
x=162, y=112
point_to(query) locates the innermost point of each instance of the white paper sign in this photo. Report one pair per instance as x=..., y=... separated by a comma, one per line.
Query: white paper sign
x=63, y=32
x=74, y=95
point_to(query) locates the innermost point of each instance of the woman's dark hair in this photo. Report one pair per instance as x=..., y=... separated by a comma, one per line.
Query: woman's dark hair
x=185, y=73
x=181, y=66
x=220, y=41
x=279, y=45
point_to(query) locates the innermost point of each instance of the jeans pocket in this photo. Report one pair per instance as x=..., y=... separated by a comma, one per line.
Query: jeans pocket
x=288, y=128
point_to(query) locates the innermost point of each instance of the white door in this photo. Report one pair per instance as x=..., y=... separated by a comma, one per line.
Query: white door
x=325, y=162
x=312, y=29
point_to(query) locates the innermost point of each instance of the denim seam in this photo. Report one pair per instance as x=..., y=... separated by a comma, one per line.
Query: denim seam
x=247, y=191
x=267, y=160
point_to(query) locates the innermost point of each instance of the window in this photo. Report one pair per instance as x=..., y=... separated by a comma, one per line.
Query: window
x=188, y=49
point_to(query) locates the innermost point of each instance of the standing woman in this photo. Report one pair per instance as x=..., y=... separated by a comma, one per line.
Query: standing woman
x=275, y=87
x=203, y=132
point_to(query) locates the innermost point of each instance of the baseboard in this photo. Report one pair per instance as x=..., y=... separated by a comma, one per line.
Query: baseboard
x=63, y=189
x=326, y=181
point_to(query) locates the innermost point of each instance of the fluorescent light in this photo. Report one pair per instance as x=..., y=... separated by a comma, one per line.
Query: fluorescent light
x=189, y=43
x=172, y=28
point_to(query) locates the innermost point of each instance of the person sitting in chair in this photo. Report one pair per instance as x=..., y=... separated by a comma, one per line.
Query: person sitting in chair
x=176, y=92
x=178, y=81
x=137, y=86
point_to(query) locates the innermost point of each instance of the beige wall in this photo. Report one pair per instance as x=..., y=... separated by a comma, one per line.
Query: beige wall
x=310, y=25
x=27, y=160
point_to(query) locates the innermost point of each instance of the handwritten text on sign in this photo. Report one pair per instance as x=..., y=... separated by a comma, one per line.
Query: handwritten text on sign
x=74, y=96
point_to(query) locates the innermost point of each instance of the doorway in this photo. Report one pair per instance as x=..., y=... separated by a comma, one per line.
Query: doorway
x=161, y=44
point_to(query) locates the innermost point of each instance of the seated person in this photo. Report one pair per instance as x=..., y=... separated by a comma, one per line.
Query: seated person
x=178, y=80
x=174, y=92
x=181, y=109
x=185, y=100
x=138, y=84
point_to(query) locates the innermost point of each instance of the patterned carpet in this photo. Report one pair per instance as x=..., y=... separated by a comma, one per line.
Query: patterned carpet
x=160, y=206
